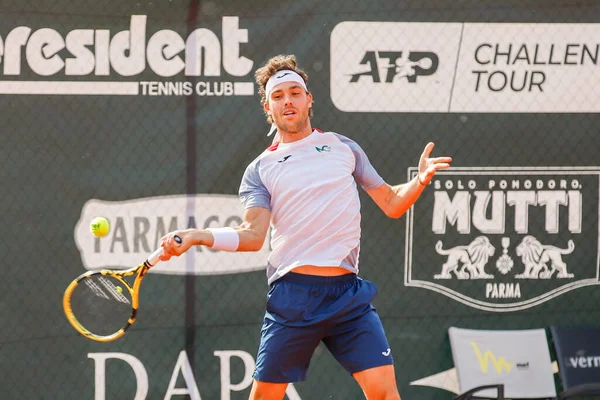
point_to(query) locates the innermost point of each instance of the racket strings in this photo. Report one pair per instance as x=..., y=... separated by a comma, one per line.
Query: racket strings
x=113, y=290
x=101, y=304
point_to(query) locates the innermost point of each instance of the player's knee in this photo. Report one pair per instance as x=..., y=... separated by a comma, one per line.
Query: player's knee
x=267, y=391
x=393, y=396
x=381, y=391
x=385, y=394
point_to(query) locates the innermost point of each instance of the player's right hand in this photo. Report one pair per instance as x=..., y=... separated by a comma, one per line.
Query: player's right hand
x=175, y=243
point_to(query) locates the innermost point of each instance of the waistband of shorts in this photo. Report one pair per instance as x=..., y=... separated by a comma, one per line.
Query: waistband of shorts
x=317, y=279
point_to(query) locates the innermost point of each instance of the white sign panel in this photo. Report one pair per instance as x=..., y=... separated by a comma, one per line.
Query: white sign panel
x=528, y=68
x=465, y=67
x=136, y=227
x=393, y=66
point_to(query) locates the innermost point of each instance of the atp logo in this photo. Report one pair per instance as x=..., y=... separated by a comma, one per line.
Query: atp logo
x=397, y=65
x=499, y=363
x=410, y=65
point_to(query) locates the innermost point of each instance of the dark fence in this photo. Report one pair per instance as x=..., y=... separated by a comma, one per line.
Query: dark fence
x=146, y=112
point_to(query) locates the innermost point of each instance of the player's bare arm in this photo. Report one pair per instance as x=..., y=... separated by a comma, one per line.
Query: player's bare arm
x=251, y=233
x=394, y=201
x=253, y=229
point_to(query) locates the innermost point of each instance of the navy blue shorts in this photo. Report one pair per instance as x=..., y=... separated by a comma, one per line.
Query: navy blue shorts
x=303, y=310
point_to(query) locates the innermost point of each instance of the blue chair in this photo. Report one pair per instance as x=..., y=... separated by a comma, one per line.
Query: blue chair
x=578, y=356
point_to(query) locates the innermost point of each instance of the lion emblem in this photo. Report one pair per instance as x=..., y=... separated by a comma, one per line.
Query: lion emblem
x=467, y=262
x=536, y=256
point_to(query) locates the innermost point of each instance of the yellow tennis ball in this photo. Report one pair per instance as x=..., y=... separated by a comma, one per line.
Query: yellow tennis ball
x=119, y=289
x=99, y=226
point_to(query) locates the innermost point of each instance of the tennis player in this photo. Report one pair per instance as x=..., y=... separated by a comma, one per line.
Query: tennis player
x=305, y=187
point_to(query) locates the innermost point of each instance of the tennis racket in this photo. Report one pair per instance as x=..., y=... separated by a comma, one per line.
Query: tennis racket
x=102, y=305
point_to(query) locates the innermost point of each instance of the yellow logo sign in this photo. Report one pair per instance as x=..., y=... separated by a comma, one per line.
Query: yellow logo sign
x=499, y=363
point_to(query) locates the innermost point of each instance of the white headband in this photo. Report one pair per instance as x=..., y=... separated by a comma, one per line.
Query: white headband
x=282, y=76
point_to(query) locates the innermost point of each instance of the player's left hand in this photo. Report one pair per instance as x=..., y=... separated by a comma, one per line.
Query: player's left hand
x=429, y=166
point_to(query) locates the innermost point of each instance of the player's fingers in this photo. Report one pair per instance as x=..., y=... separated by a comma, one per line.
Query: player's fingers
x=441, y=166
x=167, y=244
x=442, y=160
x=166, y=240
x=165, y=257
x=428, y=149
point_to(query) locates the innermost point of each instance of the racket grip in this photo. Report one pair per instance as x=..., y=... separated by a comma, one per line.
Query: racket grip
x=153, y=258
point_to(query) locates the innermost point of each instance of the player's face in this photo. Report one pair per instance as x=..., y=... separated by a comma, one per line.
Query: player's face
x=289, y=106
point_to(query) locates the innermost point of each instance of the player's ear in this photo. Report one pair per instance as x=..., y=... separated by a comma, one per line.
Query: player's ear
x=266, y=107
x=310, y=99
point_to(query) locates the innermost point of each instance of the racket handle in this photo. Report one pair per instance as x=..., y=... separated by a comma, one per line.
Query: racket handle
x=153, y=258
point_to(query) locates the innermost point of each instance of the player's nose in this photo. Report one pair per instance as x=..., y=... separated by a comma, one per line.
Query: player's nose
x=288, y=99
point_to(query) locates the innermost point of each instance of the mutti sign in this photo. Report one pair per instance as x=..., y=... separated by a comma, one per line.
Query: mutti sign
x=507, y=238
x=100, y=53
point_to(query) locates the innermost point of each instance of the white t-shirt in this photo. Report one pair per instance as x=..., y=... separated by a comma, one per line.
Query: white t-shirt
x=310, y=188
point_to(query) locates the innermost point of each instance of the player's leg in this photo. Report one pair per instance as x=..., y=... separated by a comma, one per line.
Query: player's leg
x=378, y=383
x=358, y=342
x=284, y=353
x=267, y=391
x=286, y=344
x=361, y=347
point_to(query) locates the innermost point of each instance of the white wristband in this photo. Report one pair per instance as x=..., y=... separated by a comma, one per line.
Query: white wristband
x=226, y=239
